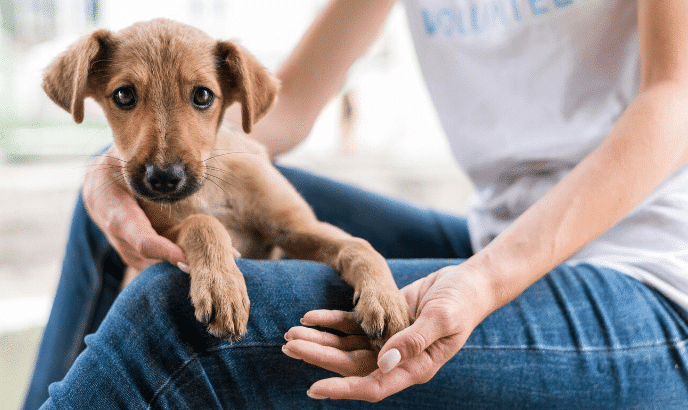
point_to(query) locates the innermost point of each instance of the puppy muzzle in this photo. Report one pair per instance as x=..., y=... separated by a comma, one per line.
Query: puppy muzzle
x=164, y=182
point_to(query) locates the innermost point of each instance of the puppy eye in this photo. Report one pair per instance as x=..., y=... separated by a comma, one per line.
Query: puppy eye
x=125, y=97
x=202, y=98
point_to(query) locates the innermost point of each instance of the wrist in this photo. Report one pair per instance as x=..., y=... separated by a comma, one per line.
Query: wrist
x=475, y=292
x=489, y=283
x=505, y=270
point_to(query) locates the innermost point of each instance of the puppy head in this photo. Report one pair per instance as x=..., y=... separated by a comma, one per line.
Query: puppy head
x=164, y=87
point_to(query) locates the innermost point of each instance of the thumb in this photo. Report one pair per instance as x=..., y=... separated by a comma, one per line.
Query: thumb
x=409, y=343
x=137, y=230
x=161, y=248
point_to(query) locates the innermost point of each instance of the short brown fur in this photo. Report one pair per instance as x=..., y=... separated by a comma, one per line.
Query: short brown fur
x=246, y=204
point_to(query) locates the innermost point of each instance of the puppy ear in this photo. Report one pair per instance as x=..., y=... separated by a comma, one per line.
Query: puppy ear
x=69, y=78
x=245, y=80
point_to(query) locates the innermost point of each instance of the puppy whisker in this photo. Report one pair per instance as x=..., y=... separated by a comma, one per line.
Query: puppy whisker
x=98, y=167
x=116, y=158
x=205, y=178
x=218, y=178
x=113, y=169
x=224, y=172
x=233, y=181
x=227, y=153
x=233, y=151
x=117, y=178
x=101, y=155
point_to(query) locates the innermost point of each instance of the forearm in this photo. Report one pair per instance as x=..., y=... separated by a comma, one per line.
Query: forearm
x=647, y=145
x=316, y=69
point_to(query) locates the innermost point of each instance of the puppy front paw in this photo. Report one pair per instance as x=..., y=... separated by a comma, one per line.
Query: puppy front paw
x=382, y=313
x=221, y=302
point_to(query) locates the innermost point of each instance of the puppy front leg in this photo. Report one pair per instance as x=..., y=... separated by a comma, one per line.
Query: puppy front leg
x=380, y=307
x=218, y=290
x=286, y=220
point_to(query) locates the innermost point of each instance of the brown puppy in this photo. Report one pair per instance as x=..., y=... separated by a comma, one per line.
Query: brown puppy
x=164, y=87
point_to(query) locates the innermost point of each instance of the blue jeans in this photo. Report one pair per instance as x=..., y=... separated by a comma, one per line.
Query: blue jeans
x=582, y=337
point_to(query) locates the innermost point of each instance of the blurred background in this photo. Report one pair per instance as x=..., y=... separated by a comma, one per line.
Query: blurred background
x=381, y=133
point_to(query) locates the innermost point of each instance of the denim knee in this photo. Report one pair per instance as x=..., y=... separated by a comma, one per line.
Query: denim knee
x=146, y=338
x=157, y=302
x=155, y=291
x=281, y=292
x=161, y=280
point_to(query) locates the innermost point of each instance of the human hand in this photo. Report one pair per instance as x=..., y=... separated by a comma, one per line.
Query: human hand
x=448, y=306
x=112, y=207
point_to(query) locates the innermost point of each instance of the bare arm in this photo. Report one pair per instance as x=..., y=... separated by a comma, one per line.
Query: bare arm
x=646, y=146
x=316, y=69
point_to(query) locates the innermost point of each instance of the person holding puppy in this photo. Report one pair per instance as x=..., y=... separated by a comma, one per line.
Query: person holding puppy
x=565, y=287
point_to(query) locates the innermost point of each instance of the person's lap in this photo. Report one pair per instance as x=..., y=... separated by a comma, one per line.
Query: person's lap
x=548, y=349
x=580, y=337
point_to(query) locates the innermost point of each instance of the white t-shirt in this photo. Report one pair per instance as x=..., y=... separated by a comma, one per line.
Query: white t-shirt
x=524, y=90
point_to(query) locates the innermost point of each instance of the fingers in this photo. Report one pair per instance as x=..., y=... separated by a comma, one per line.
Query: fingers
x=133, y=236
x=411, y=342
x=412, y=356
x=158, y=247
x=346, y=355
x=372, y=388
x=378, y=384
x=148, y=251
x=344, y=322
x=345, y=363
x=129, y=255
x=345, y=343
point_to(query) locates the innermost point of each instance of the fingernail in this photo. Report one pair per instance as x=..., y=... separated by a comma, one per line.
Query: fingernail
x=286, y=337
x=237, y=255
x=389, y=360
x=315, y=396
x=284, y=350
x=183, y=266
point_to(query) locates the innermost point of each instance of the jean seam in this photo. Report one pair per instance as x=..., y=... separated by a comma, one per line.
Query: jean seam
x=671, y=344
x=674, y=344
x=678, y=344
x=243, y=346
x=170, y=379
x=195, y=357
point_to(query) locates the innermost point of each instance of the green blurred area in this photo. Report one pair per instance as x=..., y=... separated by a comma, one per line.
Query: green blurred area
x=39, y=140
x=26, y=138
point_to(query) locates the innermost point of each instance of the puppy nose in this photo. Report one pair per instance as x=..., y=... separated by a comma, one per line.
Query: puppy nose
x=164, y=179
